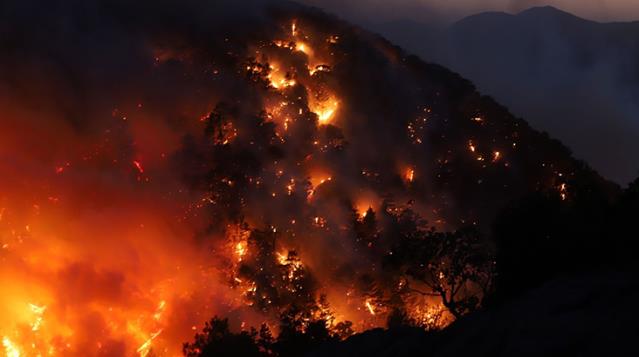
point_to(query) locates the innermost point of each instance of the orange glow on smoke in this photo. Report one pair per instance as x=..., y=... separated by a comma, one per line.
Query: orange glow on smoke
x=101, y=242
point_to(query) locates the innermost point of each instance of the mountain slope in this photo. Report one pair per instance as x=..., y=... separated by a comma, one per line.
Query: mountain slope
x=167, y=161
x=574, y=78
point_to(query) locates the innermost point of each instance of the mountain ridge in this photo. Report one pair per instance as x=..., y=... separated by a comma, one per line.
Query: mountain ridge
x=571, y=77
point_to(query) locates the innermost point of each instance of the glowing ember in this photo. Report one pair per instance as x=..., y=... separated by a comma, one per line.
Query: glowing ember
x=138, y=166
x=471, y=146
x=563, y=191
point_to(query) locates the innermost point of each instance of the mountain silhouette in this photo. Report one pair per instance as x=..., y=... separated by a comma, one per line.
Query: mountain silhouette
x=575, y=78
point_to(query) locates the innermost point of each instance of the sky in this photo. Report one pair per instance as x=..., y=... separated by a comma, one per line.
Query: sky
x=446, y=11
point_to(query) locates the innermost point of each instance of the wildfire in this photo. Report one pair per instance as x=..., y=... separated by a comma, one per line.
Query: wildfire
x=304, y=48
x=362, y=210
x=145, y=348
x=369, y=307
x=318, y=69
x=279, y=79
x=471, y=146
x=38, y=311
x=240, y=250
x=158, y=251
x=316, y=182
x=325, y=110
x=158, y=313
x=431, y=316
x=409, y=175
x=563, y=191
x=10, y=348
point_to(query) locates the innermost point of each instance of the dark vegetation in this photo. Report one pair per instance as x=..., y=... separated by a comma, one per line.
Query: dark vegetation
x=539, y=238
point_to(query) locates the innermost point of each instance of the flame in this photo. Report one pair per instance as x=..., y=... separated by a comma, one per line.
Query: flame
x=279, y=79
x=319, y=68
x=362, y=210
x=471, y=146
x=38, y=311
x=10, y=348
x=563, y=191
x=316, y=181
x=304, y=48
x=369, y=307
x=409, y=174
x=325, y=110
x=240, y=250
x=145, y=348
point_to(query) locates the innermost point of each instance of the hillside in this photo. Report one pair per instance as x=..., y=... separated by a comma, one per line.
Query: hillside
x=571, y=77
x=165, y=162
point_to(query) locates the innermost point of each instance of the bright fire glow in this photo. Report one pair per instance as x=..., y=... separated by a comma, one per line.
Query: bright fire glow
x=369, y=307
x=96, y=258
x=325, y=110
x=10, y=349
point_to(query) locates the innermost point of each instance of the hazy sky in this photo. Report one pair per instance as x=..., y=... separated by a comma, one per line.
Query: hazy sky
x=451, y=10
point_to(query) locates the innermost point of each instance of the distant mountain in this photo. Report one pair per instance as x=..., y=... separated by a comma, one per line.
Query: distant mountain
x=576, y=79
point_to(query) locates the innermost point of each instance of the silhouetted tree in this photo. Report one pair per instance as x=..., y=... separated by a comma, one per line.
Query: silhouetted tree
x=217, y=340
x=455, y=266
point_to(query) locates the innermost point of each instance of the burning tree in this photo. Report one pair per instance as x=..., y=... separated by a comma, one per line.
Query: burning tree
x=279, y=280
